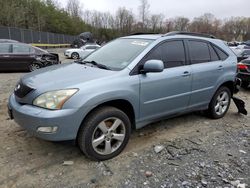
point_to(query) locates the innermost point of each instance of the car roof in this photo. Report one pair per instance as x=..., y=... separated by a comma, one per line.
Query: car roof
x=174, y=34
x=8, y=41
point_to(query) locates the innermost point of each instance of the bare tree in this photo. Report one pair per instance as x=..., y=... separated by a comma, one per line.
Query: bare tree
x=144, y=12
x=156, y=22
x=74, y=8
x=180, y=23
x=124, y=20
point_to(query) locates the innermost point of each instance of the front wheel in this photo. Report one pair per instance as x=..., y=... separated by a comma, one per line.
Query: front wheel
x=75, y=55
x=104, y=133
x=220, y=103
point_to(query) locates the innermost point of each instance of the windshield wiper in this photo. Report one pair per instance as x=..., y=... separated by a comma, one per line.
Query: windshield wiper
x=99, y=65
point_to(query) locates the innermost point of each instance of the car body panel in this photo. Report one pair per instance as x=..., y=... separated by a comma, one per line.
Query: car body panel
x=82, y=51
x=153, y=96
x=20, y=61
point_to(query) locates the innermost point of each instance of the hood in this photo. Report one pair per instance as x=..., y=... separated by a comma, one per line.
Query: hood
x=63, y=76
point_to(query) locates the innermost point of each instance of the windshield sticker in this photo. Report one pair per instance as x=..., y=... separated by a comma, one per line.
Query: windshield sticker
x=140, y=43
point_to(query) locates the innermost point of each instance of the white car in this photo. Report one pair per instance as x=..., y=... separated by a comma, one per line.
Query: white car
x=76, y=53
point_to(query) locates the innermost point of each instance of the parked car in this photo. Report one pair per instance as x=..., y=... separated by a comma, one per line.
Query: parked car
x=244, y=72
x=15, y=56
x=76, y=53
x=7, y=40
x=243, y=54
x=127, y=84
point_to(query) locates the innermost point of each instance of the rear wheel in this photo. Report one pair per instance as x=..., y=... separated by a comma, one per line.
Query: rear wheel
x=220, y=103
x=244, y=84
x=75, y=55
x=104, y=133
x=34, y=66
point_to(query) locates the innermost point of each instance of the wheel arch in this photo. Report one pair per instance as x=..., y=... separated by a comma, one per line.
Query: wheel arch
x=229, y=84
x=121, y=104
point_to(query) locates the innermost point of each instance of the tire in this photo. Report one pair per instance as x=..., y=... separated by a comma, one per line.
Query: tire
x=218, y=106
x=34, y=66
x=95, y=133
x=244, y=84
x=75, y=55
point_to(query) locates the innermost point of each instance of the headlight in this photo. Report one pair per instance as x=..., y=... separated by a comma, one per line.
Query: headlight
x=54, y=100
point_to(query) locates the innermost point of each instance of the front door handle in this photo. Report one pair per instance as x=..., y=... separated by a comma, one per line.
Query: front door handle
x=220, y=67
x=6, y=56
x=186, y=73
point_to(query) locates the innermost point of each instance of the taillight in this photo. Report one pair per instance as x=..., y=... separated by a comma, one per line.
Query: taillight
x=241, y=66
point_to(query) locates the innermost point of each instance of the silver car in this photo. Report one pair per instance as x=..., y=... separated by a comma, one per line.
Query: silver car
x=127, y=84
x=77, y=53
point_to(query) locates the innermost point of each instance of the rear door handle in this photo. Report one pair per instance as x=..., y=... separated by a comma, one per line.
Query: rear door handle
x=6, y=56
x=220, y=67
x=186, y=73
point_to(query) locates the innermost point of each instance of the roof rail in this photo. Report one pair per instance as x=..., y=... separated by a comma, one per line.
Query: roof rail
x=189, y=33
x=141, y=33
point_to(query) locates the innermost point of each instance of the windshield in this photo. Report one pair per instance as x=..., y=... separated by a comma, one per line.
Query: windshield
x=119, y=53
x=39, y=50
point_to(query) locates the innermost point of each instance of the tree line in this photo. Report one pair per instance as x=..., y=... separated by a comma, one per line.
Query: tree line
x=73, y=19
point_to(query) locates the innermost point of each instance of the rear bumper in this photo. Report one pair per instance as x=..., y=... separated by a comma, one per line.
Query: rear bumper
x=245, y=77
x=31, y=118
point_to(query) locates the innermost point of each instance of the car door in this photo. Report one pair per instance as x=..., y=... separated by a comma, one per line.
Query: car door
x=22, y=56
x=5, y=62
x=167, y=92
x=207, y=66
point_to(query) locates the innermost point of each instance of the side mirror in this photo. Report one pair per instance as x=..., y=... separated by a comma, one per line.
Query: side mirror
x=153, y=66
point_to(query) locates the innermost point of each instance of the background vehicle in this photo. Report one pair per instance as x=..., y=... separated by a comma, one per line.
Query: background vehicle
x=82, y=39
x=241, y=51
x=7, y=40
x=82, y=52
x=128, y=83
x=244, y=72
x=15, y=56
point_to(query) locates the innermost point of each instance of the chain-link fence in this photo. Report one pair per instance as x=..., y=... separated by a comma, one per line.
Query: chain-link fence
x=30, y=36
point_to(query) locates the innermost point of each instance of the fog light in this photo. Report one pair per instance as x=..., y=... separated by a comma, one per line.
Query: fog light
x=47, y=129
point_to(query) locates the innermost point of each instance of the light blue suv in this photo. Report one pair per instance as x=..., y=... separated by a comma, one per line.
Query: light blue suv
x=126, y=84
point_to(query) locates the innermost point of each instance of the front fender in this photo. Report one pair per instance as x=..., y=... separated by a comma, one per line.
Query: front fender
x=99, y=99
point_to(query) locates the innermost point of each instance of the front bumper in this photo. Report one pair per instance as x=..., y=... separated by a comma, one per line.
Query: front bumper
x=67, y=54
x=31, y=118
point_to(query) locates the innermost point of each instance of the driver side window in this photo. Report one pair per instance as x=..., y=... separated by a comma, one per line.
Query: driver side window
x=172, y=53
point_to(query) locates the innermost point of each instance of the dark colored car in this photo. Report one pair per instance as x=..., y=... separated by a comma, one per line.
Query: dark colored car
x=15, y=56
x=244, y=72
x=244, y=54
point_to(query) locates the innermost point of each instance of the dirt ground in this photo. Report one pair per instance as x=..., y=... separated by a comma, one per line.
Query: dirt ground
x=194, y=152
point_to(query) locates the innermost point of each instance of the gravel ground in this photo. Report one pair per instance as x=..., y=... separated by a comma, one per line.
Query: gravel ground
x=187, y=151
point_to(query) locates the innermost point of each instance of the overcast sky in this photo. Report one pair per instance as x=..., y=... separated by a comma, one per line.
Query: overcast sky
x=172, y=8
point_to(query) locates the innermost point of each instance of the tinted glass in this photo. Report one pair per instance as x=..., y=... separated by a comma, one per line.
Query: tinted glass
x=220, y=53
x=119, y=53
x=213, y=54
x=199, y=52
x=91, y=47
x=19, y=48
x=246, y=52
x=172, y=53
x=4, y=48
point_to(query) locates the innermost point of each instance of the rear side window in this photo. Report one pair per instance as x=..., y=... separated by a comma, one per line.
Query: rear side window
x=199, y=52
x=220, y=53
x=19, y=48
x=172, y=54
x=213, y=54
x=4, y=48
